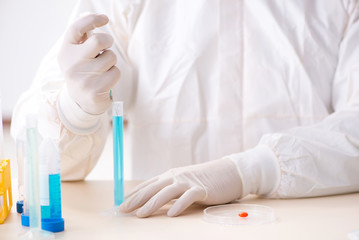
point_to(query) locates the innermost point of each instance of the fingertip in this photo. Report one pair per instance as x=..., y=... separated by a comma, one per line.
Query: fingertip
x=171, y=213
x=100, y=20
x=104, y=17
x=83, y=25
x=127, y=207
x=174, y=212
x=123, y=208
x=142, y=213
x=92, y=15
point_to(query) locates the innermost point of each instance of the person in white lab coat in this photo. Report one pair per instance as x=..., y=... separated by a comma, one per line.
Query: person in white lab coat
x=227, y=98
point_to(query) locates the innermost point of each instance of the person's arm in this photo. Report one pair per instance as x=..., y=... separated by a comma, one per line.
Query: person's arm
x=317, y=160
x=70, y=111
x=323, y=159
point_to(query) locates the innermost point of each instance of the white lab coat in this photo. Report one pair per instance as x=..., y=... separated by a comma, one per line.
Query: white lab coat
x=272, y=85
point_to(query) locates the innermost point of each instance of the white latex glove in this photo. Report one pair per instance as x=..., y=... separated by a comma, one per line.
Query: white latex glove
x=215, y=182
x=88, y=67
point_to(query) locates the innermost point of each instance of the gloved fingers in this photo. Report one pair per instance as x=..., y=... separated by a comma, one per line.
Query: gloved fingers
x=109, y=79
x=160, y=199
x=186, y=200
x=105, y=61
x=98, y=42
x=141, y=186
x=77, y=33
x=94, y=83
x=99, y=65
x=142, y=196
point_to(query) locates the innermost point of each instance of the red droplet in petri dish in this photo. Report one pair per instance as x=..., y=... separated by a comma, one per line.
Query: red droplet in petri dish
x=243, y=214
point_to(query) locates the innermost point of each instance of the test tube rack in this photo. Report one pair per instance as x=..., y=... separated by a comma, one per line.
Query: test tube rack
x=5, y=189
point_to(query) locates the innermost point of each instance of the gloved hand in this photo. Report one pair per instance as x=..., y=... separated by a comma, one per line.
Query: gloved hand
x=88, y=67
x=215, y=182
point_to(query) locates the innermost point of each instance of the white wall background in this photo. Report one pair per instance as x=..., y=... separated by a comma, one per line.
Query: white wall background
x=28, y=29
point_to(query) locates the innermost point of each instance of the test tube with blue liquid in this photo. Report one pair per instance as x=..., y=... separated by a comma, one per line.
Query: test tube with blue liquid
x=117, y=125
x=50, y=187
x=117, y=132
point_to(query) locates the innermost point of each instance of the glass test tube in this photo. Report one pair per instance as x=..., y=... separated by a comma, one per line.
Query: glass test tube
x=117, y=129
x=33, y=172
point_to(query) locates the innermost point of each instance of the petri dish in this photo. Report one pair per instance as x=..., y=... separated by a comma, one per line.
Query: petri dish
x=229, y=214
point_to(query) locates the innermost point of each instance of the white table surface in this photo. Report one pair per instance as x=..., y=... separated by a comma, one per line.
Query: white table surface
x=82, y=203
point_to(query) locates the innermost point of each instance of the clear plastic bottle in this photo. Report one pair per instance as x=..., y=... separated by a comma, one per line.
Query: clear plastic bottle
x=51, y=187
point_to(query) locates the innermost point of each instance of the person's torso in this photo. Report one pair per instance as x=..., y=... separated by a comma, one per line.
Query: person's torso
x=214, y=76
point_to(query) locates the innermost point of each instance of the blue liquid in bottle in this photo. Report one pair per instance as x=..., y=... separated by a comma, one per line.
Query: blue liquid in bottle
x=45, y=211
x=55, y=195
x=117, y=122
x=44, y=195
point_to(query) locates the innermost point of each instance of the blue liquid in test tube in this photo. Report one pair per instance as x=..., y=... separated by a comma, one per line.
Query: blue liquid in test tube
x=55, y=195
x=117, y=128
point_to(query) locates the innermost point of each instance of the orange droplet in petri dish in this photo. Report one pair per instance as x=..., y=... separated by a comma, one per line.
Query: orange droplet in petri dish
x=243, y=214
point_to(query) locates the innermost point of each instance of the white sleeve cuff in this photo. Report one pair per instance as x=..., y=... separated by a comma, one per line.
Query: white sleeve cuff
x=259, y=170
x=74, y=118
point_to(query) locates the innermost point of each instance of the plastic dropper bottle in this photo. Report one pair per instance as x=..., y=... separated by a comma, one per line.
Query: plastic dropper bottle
x=50, y=160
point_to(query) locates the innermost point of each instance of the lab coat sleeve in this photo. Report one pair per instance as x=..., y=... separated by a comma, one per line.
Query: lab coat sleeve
x=317, y=160
x=80, y=136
